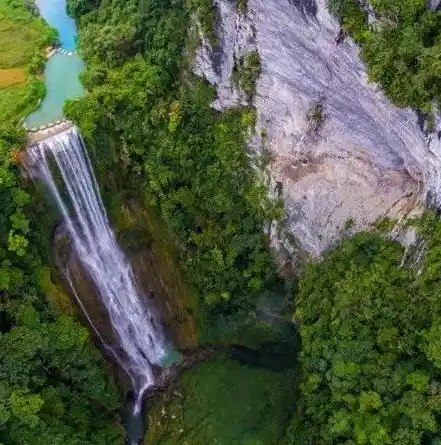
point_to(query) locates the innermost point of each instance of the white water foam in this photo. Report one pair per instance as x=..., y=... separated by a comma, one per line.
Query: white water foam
x=139, y=334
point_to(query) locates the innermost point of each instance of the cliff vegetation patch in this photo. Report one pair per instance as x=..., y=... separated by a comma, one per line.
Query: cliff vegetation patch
x=401, y=48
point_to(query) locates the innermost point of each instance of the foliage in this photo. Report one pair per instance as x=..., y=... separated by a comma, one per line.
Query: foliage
x=17, y=101
x=23, y=38
x=225, y=403
x=370, y=344
x=206, y=17
x=242, y=5
x=77, y=8
x=401, y=51
x=54, y=387
x=247, y=71
x=350, y=15
x=316, y=116
x=190, y=158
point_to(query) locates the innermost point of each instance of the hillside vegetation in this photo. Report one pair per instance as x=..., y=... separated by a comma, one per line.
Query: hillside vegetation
x=368, y=314
x=401, y=50
x=371, y=344
x=368, y=321
x=147, y=117
x=23, y=39
x=200, y=411
x=54, y=386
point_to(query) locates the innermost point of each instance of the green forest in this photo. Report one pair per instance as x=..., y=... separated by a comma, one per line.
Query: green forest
x=145, y=106
x=356, y=358
x=55, y=387
x=401, y=51
x=370, y=344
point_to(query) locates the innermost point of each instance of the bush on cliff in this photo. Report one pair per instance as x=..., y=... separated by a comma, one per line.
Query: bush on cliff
x=401, y=49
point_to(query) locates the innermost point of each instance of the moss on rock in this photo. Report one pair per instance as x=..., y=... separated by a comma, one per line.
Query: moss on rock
x=152, y=256
x=225, y=403
x=57, y=297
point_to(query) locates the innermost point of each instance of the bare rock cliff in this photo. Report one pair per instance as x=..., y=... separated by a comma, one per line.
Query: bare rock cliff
x=340, y=151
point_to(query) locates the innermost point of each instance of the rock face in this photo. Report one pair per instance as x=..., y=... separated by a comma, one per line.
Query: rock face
x=236, y=38
x=340, y=151
x=158, y=274
x=433, y=5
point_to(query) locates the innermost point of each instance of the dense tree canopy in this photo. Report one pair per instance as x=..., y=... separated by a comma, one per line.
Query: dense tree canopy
x=189, y=158
x=401, y=50
x=53, y=386
x=371, y=345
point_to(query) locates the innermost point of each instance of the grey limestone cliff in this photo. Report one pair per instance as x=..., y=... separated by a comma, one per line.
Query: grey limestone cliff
x=433, y=5
x=340, y=151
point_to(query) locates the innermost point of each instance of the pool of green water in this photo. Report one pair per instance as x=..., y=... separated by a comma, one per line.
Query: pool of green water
x=62, y=83
x=171, y=356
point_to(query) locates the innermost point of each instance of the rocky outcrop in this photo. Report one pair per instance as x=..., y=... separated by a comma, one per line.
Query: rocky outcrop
x=148, y=248
x=236, y=38
x=341, y=154
x=433, y=5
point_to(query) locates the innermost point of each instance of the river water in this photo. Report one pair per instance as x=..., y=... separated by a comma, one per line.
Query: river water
x=61, y=74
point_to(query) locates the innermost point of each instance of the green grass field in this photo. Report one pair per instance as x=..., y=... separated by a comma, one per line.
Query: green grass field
x=23, y=39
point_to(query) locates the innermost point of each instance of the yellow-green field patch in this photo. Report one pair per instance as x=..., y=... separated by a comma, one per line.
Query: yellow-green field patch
x=19, y=100
x=11, y=77
x=17, y=38
x=23, y=40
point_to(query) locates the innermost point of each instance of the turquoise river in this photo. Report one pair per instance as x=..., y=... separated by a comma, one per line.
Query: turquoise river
x=61, y=74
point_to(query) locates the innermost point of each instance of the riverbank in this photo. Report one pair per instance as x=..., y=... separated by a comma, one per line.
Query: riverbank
x=23, y=42
x=62, y=69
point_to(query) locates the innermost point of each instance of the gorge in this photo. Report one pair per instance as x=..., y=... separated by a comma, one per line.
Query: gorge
x=140, y=342
x=216, y=220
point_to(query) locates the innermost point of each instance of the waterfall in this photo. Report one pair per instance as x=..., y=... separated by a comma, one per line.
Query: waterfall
x=140, y=336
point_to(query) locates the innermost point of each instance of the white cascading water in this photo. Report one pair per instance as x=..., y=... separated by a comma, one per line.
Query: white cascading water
x=140, y=338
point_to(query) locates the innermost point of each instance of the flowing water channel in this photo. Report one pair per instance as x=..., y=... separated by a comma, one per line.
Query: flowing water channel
x=139, y=334
x=62, y=69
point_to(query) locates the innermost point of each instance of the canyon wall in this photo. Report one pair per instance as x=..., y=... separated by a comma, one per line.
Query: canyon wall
x=341, y=155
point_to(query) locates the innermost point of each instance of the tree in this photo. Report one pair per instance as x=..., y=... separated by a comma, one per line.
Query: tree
x=369, y=358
